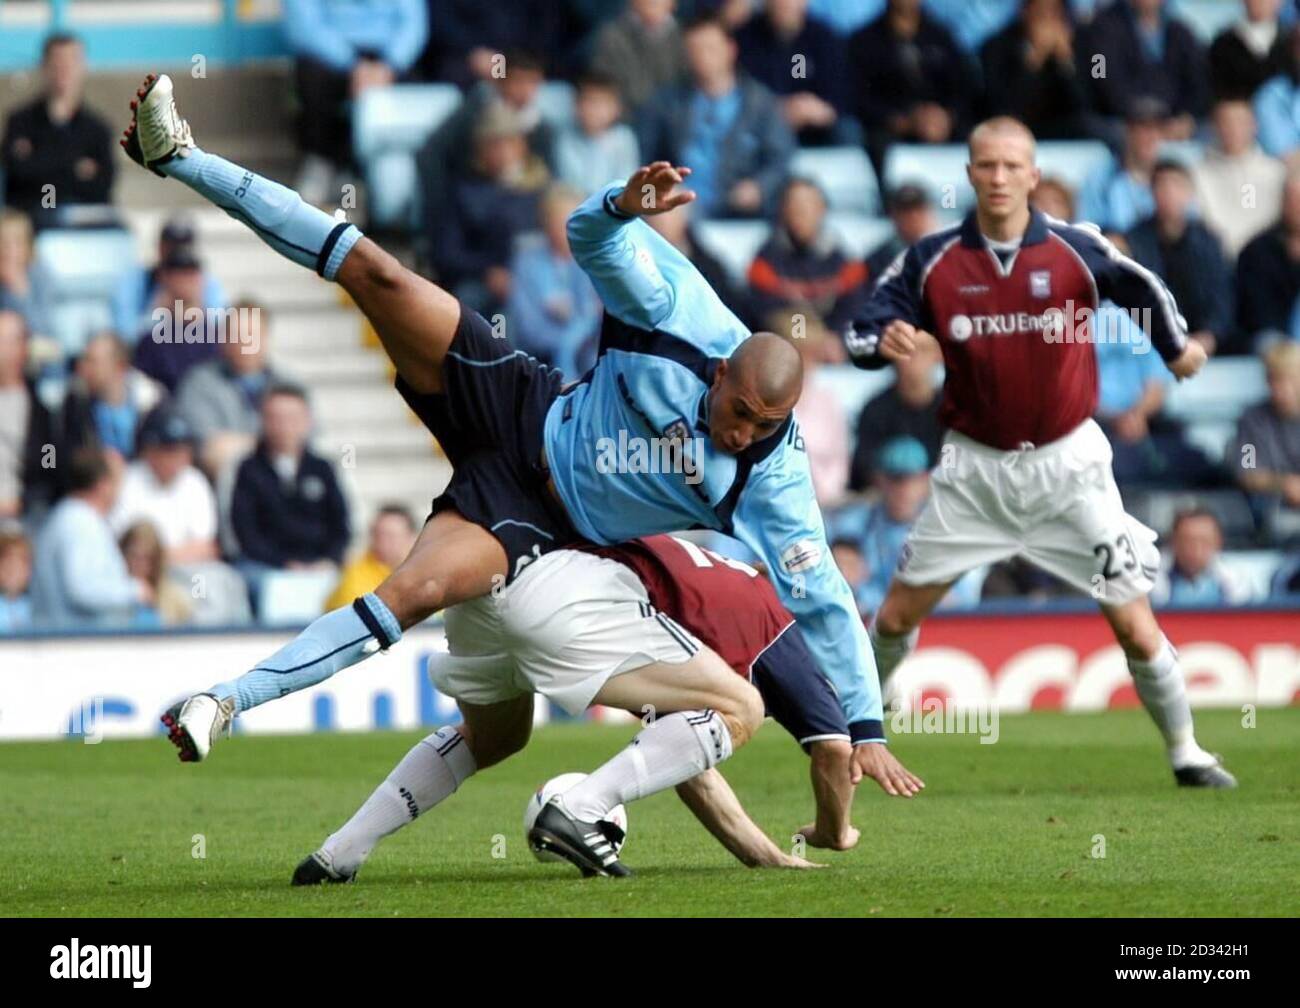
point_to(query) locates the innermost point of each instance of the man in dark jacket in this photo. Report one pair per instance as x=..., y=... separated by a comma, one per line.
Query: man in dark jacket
x=1029, y=72
x=287, y=509
x=1186, y=255
x=1148, y=53
x=725, y=126
x=1268, y=274
x=55, y=151
x=28, y=453
x=1248, y=52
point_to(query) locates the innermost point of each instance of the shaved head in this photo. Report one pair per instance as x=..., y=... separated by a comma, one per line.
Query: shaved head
x=1001, y=127
x=754, y=391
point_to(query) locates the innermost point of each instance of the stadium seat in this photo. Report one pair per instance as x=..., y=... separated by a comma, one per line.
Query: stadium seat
x=1072, y=161
x=81, y=269
x=1206, y=18
x=1220, y=392
x=1253, y=570
x=734, y=243
x=1157, y=508
x=294, y=598
x=1187, y=152
x=845, y=175
x=556, y=99
x=940, y=169
x=859, y=233
x=853, y=387
x=389, y=126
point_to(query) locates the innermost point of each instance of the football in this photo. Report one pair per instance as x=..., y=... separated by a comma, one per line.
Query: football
x=558, y=785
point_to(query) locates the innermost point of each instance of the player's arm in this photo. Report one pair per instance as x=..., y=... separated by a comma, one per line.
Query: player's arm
x=777, y=517
x=889, y=326
x=638, y=274
x=716, y=806
x=1133, y=287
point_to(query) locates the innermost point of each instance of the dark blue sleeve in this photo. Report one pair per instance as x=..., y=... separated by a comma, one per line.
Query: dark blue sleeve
x=897, y=295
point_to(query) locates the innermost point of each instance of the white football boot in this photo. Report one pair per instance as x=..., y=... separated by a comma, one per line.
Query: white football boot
x=157, y=133
x=193, y=725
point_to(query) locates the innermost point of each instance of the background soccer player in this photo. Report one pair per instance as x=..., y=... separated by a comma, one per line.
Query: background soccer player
x=1008, y=294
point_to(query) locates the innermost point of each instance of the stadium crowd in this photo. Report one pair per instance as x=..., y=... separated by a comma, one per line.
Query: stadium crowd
x=184, y=471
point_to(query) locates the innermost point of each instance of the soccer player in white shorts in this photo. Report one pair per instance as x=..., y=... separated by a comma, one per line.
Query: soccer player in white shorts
x=1009, y=294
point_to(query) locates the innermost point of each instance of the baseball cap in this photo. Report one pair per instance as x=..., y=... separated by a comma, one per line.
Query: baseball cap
x=903, y=456
x=1146, y=109
x=165, y=428
x=178, y=231
x=180, y=257
x=908, y=196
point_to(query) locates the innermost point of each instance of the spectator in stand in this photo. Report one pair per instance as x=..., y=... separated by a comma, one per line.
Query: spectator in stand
x=450, y=152
x=912, y=213
x=28, y=449
x=801, y=60
x=1238, y=186
x=822, y=422
x=221, y=399
x=107, y=399
x=1018, y=579
x=146, y=560
x=803, y=264
x=56, y=152
x=642, y=50
x=1268, y=275
x=164, y=488
x=596, y=148
x=21, y=289
x=392, y=534
x=846, y=16
x=1030, y=72
x=15, y=583
x=487, y=210
x=1248, y=52
x=182, y=331
x=675, y=226
x=343, y=48
x=911, y=82
x=847, y=553
x=553, y=312
x=907, y=409
x=140, y=290
x=1265, y=454
x=1277, y=105
x=80, y=578
x=1148, y=53
x=1118, y=195
x=1186, y=255
x=469, y=37
x=1192, y=572
x=288, y=511
x=726, y=127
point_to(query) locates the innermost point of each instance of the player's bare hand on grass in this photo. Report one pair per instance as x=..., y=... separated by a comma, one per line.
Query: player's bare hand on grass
x=845, y=841
x=654, y=190
x=874, y=760
x=900, y=340
x=1190, y=361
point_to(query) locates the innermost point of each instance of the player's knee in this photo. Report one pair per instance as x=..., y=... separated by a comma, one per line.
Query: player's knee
x=894, y=620
x=830, y=755
x=743, y=713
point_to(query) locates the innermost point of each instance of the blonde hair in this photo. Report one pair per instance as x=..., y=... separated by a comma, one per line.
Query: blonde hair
x=1283, y=357
x=15, y=221
x=1002, y=125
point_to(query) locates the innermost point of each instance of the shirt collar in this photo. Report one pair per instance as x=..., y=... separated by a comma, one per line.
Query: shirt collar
x=1035, y=233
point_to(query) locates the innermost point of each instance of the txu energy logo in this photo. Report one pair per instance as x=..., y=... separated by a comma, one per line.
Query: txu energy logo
x=673, y=453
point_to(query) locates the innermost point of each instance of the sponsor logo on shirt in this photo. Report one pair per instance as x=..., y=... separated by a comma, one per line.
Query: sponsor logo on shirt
x=801, y=556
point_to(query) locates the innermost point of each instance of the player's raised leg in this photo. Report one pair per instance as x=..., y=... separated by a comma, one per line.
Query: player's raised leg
x=452, y=560
x=430, y=773
x=1161, y=687
x=895, y=627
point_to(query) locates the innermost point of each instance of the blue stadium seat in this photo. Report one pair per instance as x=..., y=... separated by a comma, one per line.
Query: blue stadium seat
x=940, y=169
x=1156, y=509
x=1220, y=392
x=294, y=598
x=1187, y=152
x=1206, y=18
x=81, y=269
x=1072, y=161
x=1253, y=570
x=556, y=99
x=389, y=125
x=859, y=233
x=845, y=175
x=853, y=387
x=734, y=243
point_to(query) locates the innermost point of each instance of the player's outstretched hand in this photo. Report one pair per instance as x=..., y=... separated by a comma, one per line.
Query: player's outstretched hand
x=654, y=190
x=1190, y=361
x=814, y=838
x=874, y=760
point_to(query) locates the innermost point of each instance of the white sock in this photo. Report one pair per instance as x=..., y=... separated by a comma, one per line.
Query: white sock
x=890, y=650
x=1163, y=692
x=671, y=749
x=434, y=768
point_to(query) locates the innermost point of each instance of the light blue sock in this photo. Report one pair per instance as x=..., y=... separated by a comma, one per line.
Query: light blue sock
x=337, y=640
x=297, y=230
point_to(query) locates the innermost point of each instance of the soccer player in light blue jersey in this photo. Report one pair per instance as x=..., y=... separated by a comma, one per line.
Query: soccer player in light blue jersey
x=685, y=421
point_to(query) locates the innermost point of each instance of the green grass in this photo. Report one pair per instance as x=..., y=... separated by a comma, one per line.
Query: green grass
x=1005, y=829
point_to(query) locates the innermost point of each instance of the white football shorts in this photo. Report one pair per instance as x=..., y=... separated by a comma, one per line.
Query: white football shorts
x=1057, y=506
x=565, y=625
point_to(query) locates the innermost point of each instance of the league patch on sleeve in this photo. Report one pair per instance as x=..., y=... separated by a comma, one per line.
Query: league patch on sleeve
x=801, y=556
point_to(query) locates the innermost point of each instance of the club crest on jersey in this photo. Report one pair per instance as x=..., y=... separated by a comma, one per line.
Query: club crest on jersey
x=677, y=432
x=1040, y=283
x=801, y=556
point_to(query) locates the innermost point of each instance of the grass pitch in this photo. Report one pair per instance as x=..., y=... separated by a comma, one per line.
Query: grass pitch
x=1004, y=829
